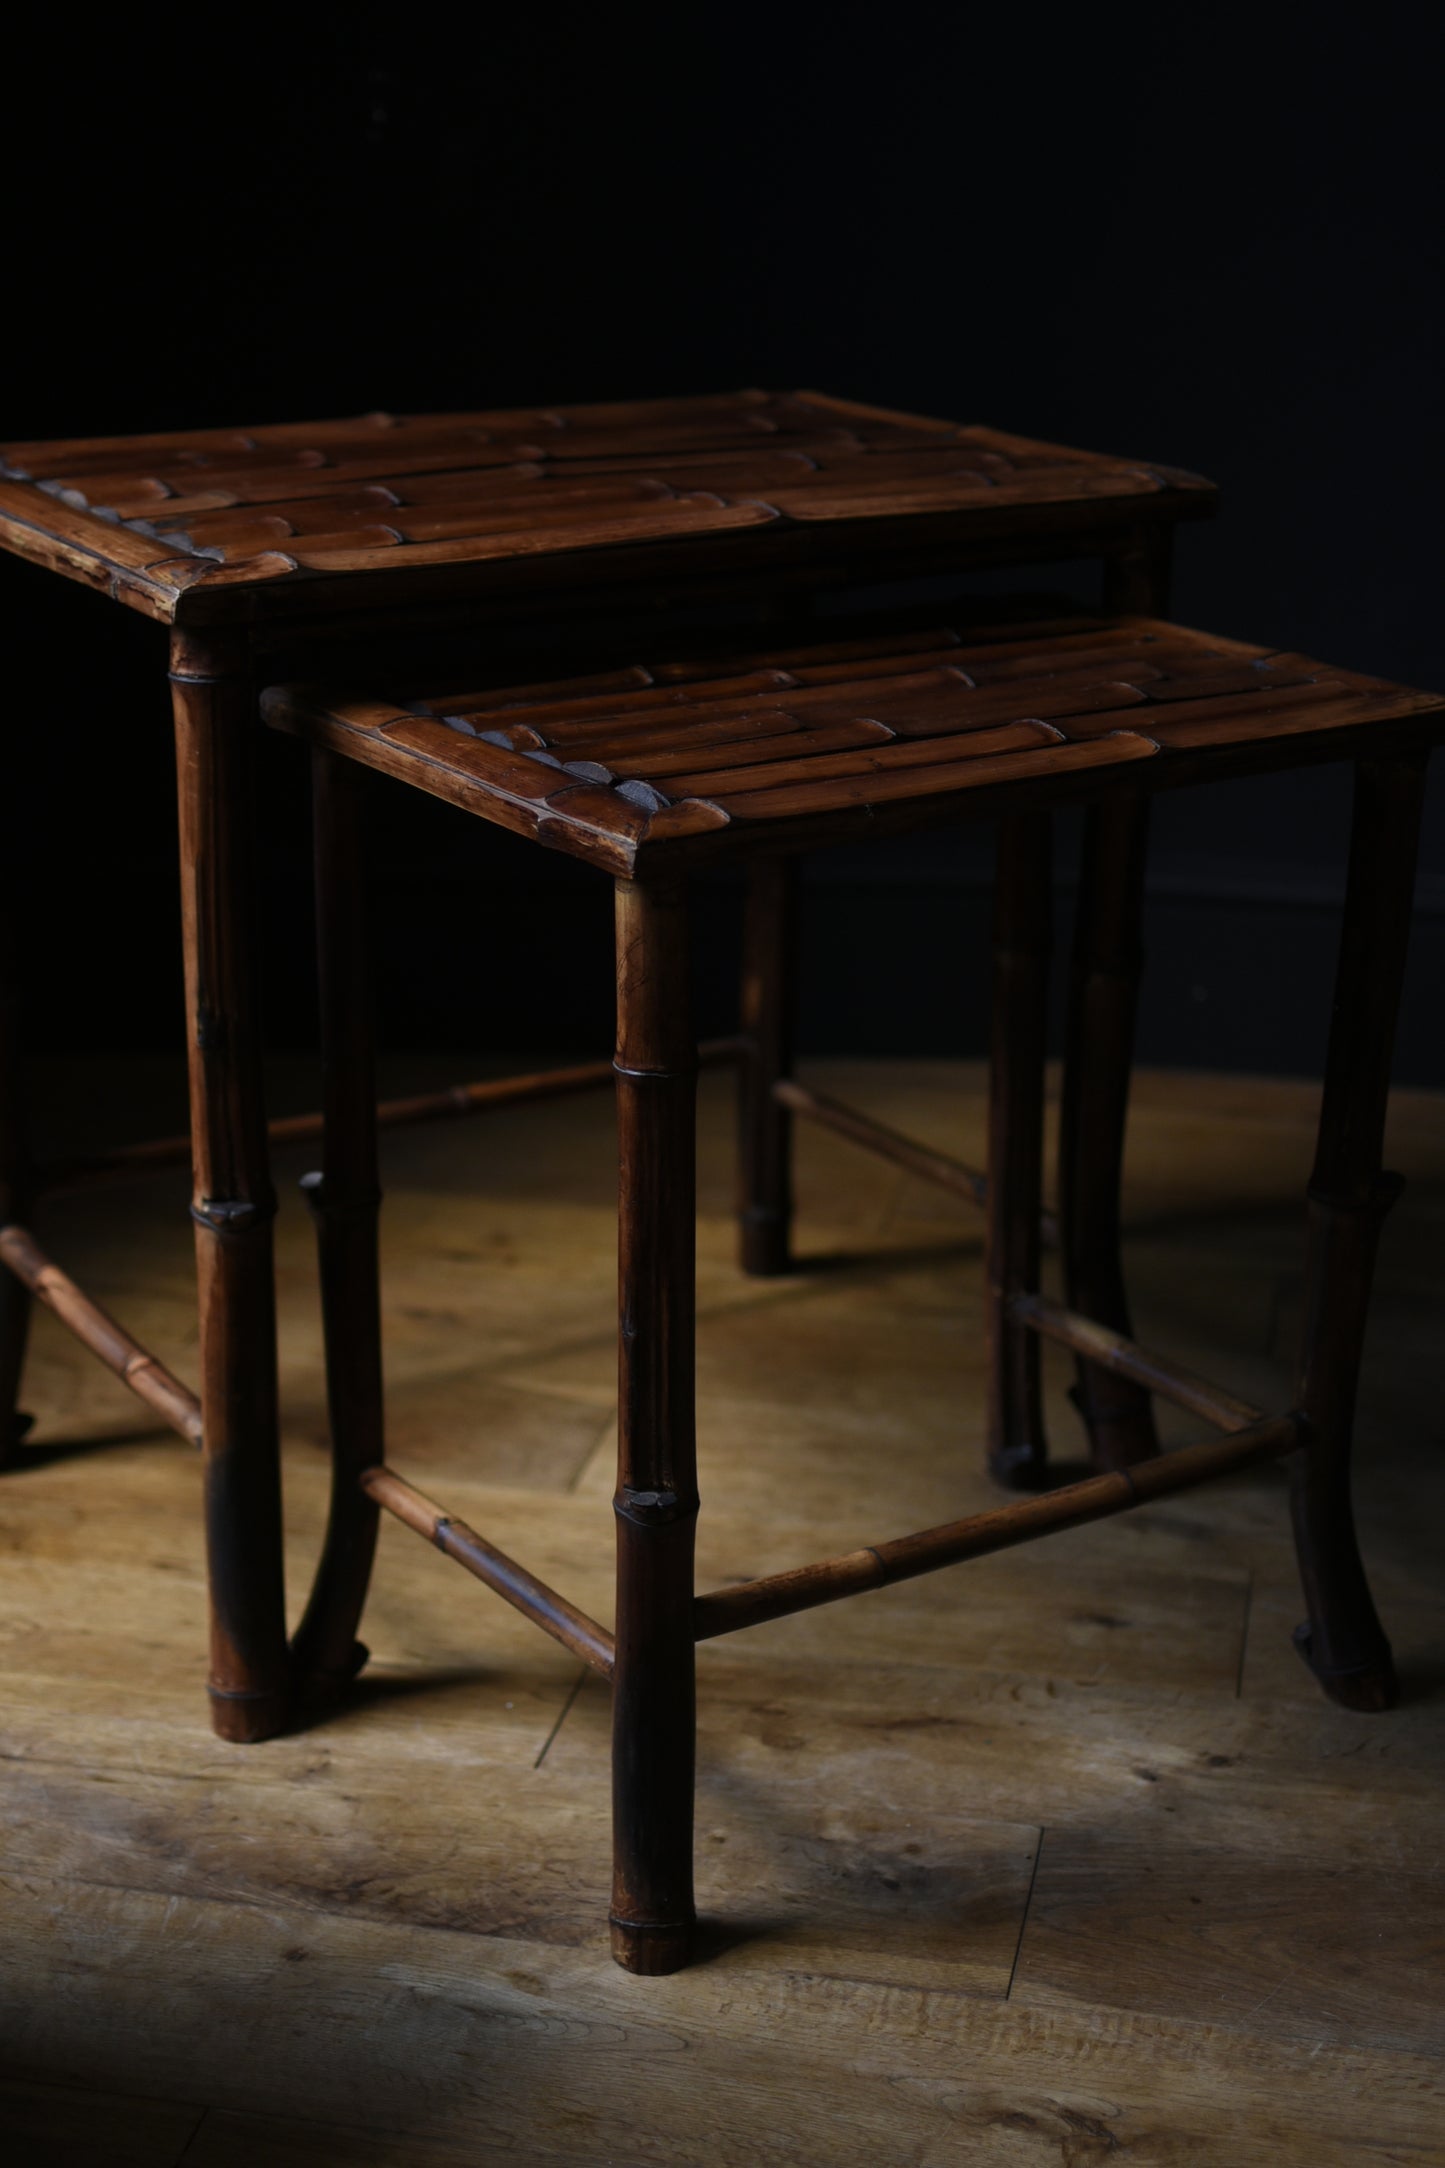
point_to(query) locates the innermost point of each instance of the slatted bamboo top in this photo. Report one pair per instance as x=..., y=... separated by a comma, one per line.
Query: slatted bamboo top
x=668, y=762
x=242, y=522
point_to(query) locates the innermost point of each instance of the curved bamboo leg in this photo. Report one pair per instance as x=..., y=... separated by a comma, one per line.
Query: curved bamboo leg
x=1344, y=1643
x=1023, y=920
x=765, y=1209
x=15, y=1298
x=1103, y=995
x=1099, y=1051
x=233, y=1204
x=345, y=1198
x=653, y=1712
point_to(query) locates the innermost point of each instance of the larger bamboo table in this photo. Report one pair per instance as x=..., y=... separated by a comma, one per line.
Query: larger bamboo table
x=265, y=548
x=651, y=775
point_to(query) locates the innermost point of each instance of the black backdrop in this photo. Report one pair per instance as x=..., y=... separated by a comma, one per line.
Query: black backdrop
x=1215, y=245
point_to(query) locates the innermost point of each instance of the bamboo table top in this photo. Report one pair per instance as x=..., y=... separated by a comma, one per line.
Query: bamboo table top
x=657, y=765
x=246, y=525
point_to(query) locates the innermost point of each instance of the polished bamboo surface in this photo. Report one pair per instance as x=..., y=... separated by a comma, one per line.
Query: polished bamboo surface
x=1058, y=1855
x=661, y=764
x=189, y=515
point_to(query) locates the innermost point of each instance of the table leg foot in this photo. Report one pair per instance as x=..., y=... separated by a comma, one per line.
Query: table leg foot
x=652, y=1950
x=1371, y=1688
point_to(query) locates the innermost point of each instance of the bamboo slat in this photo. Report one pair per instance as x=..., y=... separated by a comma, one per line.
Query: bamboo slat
x=535, y=537
x=820, y=758
x=677, y=767
x=1020, y=760
x=737, y=692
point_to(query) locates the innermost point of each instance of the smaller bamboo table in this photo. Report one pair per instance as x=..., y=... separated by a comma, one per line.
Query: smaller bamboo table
x=652, y=773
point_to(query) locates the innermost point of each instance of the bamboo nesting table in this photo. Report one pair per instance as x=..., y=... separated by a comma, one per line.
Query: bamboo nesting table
x=654, y=774
x=263, y=552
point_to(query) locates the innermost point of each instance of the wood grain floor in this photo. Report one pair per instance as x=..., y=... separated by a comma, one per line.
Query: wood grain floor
x=1054, y=1858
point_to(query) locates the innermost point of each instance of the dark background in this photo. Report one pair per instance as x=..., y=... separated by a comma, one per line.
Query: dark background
x=1213, y=246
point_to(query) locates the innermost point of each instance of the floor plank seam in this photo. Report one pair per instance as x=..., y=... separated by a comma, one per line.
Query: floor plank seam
x=591, y=1453
x=179, y=2161
x=1023, y=1923
x=1244, y=1637
x=1282, y=1286
x=577, y=1685
x=809, y=1279
x=891, y=1211
x=271, y=1907
x=929, y=1990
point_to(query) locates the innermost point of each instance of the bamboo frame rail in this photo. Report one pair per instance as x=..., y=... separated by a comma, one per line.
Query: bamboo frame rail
x=1113, y=1351
x=96, y=1329
x=919, y=1159
x=454, y=1102
x=726, y=1610
x=562, y=1620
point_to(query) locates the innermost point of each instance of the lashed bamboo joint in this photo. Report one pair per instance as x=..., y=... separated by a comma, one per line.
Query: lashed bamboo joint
x=726, y=1610
x=96, y=1329
x=1112, y=1351
x=562, y=1620
x=454, y=1102
x=918, y=1159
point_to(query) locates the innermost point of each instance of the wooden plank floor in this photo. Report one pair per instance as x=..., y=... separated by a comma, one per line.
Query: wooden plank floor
x=1058, y=1857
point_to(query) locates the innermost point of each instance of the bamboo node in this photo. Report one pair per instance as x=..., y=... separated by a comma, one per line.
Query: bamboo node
x=357, y=1204
x=1377, y=1196
x=233, y=1215
x=658, y=1075
x=652, y=1508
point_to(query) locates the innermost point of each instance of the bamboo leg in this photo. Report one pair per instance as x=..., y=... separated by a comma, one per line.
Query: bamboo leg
x=653, y=1717
x=1103, y=996
x=1023, y=905
x=15, y=1297
x=1099, y=1051
x=345, y=1198
x=233, y=1205
x=766, y=1140
x=1349, y=1195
